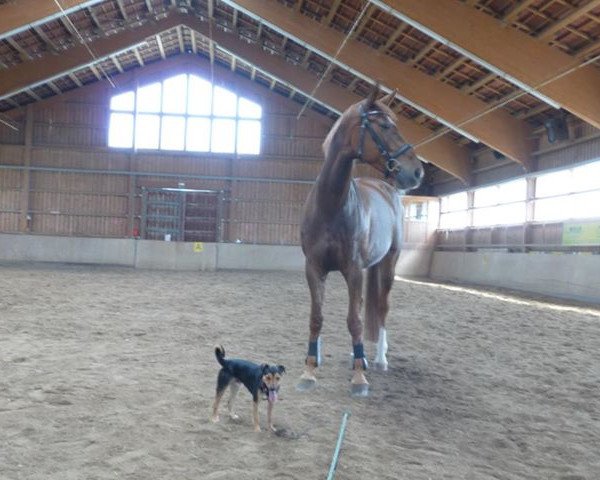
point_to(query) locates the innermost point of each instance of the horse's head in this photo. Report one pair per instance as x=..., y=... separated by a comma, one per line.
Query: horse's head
x=380, y=144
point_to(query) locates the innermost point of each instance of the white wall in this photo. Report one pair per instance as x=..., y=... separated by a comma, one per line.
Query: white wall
x=575, y=276
x=42, y=248
x=160, y=255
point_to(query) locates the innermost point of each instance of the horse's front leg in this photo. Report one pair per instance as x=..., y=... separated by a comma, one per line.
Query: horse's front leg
x=354, y=280
x=315, y=278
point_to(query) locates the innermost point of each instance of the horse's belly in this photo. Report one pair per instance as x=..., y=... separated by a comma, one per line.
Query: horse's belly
x=384, y=235
x=377, y=252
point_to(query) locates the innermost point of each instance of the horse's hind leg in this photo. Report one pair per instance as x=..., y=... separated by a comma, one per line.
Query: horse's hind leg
x=354, y=280
x=315, y=278
x=380, y=281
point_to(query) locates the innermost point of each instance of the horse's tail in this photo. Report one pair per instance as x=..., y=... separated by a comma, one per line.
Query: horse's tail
x=220, y=354
x=372, y=311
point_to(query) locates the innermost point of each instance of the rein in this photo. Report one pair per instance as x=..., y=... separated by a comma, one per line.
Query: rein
x=391, y=158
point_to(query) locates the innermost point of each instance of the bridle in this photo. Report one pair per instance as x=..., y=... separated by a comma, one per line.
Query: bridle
x=391, y=158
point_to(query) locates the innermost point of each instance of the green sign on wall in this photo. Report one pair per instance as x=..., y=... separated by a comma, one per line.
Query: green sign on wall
x=581, y=233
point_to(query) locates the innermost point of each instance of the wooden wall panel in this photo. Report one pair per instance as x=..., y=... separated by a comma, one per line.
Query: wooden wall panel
x=69, y=138
x=78, y=183
x=78, y=204
x=10, y=179
x=182, y=163
x=11, y=155
x=9, y=136
x=54, y=224
x=261, y=168
x=80, y=158
x=9, y=222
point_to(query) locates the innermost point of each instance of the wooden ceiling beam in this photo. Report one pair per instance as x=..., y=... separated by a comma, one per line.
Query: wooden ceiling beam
x=51, y=46
x=442, y=152
x=570, y=17
x=122, y=10
x=332, y=11
x=526, y=62
x=498, y=128
x=161, y=48
x=16, y=17
x=516, y=10
x=24, y=54
x=48, y=67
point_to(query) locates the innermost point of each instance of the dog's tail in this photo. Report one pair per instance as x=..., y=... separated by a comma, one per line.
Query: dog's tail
x=220, y=354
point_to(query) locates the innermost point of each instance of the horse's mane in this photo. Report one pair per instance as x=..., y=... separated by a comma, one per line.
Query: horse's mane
x=332, y=131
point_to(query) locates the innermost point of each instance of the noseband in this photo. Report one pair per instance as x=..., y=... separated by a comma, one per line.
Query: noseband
x=391, y=158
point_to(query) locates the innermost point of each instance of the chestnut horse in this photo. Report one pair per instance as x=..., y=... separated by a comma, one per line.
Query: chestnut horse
x=352, y=224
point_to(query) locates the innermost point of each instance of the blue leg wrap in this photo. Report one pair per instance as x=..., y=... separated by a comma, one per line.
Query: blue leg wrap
x=314, y=350
x=359, y=354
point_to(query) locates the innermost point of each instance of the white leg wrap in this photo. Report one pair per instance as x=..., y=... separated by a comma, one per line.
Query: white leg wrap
x=382, y=347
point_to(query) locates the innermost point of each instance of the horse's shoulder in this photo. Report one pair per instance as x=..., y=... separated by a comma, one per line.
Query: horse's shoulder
x=372, y=186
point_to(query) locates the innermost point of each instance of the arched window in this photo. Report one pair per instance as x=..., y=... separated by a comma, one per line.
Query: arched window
x=185, y=113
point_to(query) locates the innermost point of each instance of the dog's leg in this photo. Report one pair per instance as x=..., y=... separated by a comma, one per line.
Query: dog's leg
x=234, y=387
x=218, y=397
x=255, y=415
x=270, y=416
x=223, y=381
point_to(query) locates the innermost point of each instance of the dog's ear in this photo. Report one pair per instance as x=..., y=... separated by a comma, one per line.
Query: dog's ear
x=281, y=369
x=264, y=368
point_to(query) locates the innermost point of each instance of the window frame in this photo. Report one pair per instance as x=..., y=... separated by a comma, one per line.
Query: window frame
x=186, y=116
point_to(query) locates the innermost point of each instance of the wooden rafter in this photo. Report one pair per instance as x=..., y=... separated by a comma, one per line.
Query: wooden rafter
x=524, y=61
x=497, y=129
x=332, y=11
x=37, y=71
x=16, y=17
x=573, y=15
x=516, y=10
x=442, y=152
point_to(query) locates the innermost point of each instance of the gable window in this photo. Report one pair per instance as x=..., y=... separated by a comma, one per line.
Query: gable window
x=185, y=113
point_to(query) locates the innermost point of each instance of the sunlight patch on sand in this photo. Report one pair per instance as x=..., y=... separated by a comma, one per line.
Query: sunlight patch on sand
x=504, y=298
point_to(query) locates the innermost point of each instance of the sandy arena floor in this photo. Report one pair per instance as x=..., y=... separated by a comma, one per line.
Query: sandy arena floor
x=110, y=373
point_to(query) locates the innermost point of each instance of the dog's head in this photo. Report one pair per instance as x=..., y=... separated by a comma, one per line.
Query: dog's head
x=271, y=378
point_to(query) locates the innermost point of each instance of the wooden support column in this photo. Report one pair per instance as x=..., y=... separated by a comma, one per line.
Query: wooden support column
x=470, y=215
x=529, y=213
x=131, y=190
x=25, y=221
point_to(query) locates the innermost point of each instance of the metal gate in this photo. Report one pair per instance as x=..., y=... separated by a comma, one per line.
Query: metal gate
x=179, y=214
x=202, y=216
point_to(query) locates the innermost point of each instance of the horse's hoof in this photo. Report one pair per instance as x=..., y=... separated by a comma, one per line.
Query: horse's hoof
x=380, y=367
x=359, y=390
x=306, y=384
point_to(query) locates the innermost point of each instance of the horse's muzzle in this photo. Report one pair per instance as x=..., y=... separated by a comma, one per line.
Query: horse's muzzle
x=409, y=178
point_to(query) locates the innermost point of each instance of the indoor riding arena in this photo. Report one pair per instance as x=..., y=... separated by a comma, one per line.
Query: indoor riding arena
x=177, y=176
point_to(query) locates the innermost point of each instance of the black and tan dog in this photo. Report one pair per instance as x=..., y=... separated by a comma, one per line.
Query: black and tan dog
x=258, y=379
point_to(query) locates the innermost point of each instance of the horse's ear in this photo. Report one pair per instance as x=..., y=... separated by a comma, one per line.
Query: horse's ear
x=373, y=95
x=389, y=98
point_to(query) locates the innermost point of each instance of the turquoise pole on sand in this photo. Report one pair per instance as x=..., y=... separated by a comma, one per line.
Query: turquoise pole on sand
x=338, y=446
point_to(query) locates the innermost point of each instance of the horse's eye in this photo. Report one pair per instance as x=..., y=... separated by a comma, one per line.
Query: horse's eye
x=386, y=126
